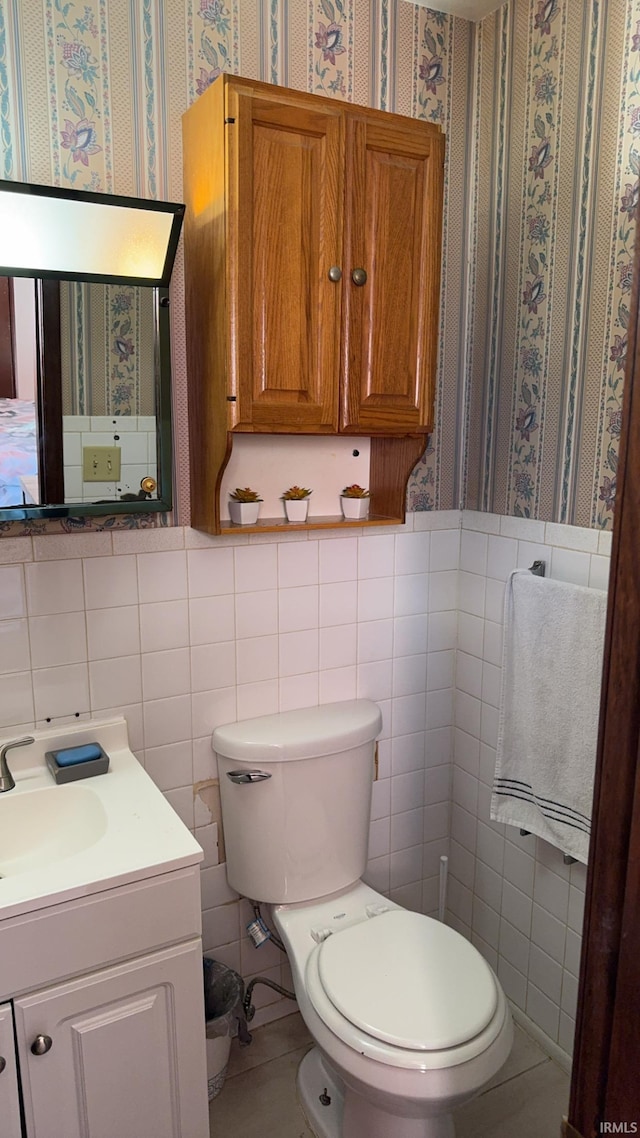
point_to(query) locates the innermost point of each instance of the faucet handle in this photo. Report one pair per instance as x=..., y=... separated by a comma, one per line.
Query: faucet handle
x=7, y=781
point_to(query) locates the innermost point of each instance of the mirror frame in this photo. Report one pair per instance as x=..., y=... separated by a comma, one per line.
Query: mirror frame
x=145, y=205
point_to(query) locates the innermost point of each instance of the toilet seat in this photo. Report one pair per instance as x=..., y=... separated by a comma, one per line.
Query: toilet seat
x=347, y=972
x=408, y=980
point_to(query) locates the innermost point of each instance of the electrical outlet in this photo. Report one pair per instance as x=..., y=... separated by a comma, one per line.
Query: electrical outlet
x=101, y=464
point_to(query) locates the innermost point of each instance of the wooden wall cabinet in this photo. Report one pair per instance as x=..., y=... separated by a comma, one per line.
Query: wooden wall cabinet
x=312, y=261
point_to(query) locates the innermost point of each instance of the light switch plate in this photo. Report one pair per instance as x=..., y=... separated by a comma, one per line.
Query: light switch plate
x=101, y=464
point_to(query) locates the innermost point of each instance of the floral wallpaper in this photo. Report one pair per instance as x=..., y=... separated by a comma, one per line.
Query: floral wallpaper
x=333, y=75
x=432, y=51
x=79, y=104
x=544, y=402
x=432, y=79
x=109, y=81
x=213, y=43
x=621, y=274
x=541, y=107
x=539, y=222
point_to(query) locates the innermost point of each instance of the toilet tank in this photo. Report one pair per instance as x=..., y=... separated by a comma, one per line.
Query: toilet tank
x=296, y=799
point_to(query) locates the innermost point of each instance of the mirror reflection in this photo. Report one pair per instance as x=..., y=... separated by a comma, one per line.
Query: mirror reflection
x=79, y=390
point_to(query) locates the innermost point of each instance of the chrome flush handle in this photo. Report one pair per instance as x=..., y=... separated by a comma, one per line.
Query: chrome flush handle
x=243, y=777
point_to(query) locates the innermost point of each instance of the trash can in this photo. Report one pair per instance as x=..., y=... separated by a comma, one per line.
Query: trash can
x=223, y=995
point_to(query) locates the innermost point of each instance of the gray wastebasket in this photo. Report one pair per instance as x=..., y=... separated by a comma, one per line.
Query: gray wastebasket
x=223, y=995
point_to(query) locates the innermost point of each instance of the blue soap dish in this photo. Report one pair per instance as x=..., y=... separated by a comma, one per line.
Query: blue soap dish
x=71, y=763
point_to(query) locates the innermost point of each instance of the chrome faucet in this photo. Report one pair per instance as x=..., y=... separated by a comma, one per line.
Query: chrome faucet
x=7, y=781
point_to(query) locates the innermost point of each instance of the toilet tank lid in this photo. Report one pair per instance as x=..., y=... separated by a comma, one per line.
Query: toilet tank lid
x=303, y=734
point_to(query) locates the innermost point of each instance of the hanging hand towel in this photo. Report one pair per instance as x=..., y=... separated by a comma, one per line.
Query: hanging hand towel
x=549, y=706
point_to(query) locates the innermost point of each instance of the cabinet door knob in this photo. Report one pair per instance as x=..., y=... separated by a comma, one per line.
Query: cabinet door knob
x=41, y=1044
x=3, y=1063
x=359, y=276
x=335, y=273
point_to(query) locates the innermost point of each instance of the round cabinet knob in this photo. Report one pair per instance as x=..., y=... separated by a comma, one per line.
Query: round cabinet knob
x=335, y=274
x=359, y=276
x=148, y=485
x=3, y=1063
x=41, y=1044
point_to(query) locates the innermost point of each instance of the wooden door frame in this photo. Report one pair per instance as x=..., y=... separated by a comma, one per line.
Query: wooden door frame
x=49, y=402
x=604, y=1085
x=7, y=340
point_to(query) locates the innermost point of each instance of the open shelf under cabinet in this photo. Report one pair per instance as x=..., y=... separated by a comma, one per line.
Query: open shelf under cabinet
x=281, y=525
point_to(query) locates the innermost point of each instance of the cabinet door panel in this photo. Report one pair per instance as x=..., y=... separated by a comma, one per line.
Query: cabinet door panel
x=285, y=234
x=9, y=1099
x=127, y=1054
x=393, y=221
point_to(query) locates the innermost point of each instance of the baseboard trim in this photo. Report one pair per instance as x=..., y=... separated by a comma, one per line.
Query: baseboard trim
x=271, y=1012
x=569, y=1131
x=549, y=1045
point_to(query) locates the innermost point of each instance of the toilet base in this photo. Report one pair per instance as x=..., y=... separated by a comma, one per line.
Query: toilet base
x=325, y=1120
x=349, y=1116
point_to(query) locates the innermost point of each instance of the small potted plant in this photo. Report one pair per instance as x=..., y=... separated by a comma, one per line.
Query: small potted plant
x=355, y=501
x=296, y=503
x=244, y=506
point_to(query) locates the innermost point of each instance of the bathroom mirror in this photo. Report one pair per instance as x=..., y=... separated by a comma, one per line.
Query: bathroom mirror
x=85, y=425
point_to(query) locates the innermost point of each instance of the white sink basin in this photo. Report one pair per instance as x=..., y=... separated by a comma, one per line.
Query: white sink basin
x=63, y=841
x=39, y=827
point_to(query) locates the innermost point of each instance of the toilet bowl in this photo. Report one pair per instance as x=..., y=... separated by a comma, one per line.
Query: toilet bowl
x=408, y=1019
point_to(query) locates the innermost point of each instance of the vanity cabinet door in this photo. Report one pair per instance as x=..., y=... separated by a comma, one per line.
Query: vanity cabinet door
x=121, y=1052
x=9, y=1098
x=393, y=221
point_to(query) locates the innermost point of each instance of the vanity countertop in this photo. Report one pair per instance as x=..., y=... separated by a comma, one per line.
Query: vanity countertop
x=110, y=830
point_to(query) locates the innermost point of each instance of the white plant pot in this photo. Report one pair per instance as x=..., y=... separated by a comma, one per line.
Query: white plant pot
x=244, y=513
x=296, y=509
x=355, y=507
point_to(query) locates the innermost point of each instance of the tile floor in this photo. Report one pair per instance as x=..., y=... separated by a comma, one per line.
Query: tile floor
x=527, y=1098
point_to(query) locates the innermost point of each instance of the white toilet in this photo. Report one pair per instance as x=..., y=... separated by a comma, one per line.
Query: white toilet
x=409, y=1020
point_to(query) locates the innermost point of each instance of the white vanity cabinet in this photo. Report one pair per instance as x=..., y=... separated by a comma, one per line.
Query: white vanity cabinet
x=101, y=987
x=108, y=1013
x=9, y=1097
x=119, y=1056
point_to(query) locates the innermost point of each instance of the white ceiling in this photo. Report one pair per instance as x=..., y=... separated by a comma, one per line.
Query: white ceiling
x=467, y=9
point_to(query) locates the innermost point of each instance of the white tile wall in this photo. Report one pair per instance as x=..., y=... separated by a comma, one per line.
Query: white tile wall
x=181, y=632
x=513, y=896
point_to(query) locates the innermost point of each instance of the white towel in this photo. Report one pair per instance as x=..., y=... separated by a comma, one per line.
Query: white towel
x=550, y=701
